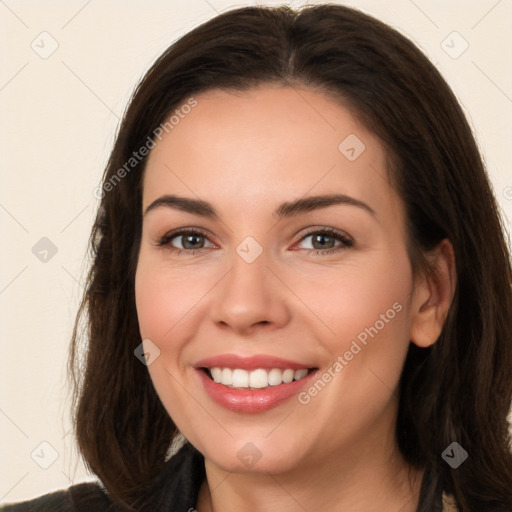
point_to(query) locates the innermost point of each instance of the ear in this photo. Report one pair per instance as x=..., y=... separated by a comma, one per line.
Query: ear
x=432, y=296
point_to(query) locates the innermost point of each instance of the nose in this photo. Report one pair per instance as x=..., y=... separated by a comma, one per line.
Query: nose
x=250, y=297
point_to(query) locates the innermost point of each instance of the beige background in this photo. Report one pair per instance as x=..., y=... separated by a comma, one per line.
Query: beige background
x=59, y=114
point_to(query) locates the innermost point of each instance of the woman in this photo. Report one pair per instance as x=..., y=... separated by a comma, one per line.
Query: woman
x=300, y=273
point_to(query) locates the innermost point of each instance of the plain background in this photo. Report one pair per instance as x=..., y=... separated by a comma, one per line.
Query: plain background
x=59, y=115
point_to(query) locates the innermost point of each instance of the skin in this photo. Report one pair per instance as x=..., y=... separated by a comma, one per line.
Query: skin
x=246, y=153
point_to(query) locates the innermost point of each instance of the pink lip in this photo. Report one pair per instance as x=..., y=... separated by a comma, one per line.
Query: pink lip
x=251, y=400
x=250, y=363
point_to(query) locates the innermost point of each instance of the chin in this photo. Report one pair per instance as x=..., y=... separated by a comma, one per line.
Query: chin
x=258, y=456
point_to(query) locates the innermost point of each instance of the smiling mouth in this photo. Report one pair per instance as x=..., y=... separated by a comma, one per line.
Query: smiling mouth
x=255, y=379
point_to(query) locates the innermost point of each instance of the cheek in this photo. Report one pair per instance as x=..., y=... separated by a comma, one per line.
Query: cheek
x=157, y=298
x=164, y=298
x=367, y=311
x=361, y=297
x=154, y=300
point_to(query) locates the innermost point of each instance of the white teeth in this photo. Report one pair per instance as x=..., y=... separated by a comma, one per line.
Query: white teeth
x=227, y=376
x=275, y=377
x=288, y=376
x=256, y=379
x=300, y=373
x=240, y=379
x=216, y=374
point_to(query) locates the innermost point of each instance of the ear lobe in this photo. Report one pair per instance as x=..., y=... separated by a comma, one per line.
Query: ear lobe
x=432, y=296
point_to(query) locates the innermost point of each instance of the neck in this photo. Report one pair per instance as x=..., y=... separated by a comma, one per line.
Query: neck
x=366, y=478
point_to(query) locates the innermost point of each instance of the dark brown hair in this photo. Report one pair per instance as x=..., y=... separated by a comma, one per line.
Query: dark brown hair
x=460, y=389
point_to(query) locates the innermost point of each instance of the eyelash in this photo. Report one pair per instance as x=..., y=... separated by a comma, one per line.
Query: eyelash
x=346, y=242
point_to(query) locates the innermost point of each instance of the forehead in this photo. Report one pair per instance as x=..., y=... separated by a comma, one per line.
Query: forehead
x=271, y=142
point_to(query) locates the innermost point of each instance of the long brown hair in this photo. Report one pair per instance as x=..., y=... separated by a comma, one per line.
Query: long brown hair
x=458, y=390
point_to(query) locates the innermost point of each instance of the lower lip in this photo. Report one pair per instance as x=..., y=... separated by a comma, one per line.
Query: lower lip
x=252, y=400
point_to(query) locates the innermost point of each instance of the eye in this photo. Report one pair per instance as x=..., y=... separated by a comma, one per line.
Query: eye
x=191, y=241
x=324, y=241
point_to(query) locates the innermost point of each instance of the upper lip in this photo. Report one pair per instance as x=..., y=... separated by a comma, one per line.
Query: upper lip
x=250, y=363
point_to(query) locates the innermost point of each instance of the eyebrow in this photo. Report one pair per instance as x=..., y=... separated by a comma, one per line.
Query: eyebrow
x=287, y=209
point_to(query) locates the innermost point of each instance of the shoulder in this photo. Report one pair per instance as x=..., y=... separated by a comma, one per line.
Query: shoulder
x=81, y=497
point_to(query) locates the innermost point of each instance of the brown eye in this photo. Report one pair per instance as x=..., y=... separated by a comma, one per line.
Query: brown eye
x=328, y=240
x=190, y=241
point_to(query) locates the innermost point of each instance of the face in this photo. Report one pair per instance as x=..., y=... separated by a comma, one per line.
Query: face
x=302, y=307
